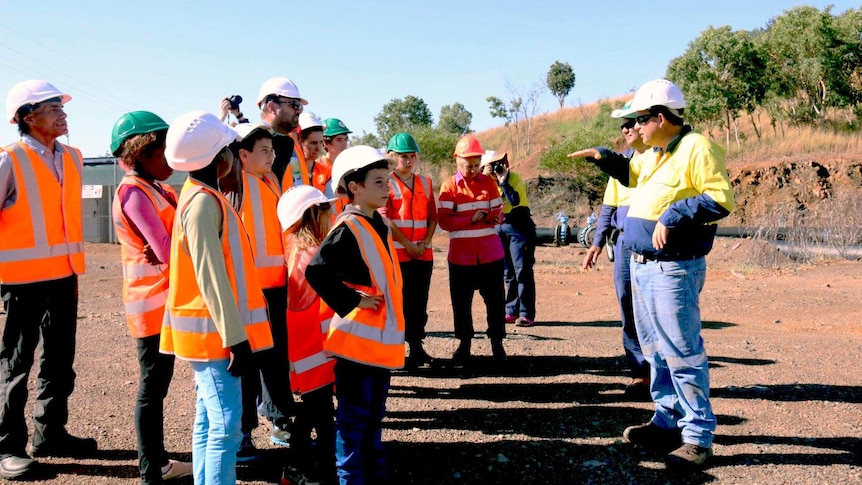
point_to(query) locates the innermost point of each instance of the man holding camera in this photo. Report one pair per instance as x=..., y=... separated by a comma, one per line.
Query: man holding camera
x=230, y=106
x=518, y=236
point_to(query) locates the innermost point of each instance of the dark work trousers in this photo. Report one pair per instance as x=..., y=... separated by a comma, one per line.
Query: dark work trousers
x=361, y=391
x=488, y=279
x=45, y=312
x=519, y=247
x=276, y=400
x=416, y=276
x=638, y=366
x=157, y=369
x=317, y=412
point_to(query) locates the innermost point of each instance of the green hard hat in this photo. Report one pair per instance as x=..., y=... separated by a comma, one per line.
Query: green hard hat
x=134, y=123
x=403, y=143
x=334, y=126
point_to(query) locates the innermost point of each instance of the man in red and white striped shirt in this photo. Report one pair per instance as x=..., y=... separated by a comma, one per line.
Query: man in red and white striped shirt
x=470, y=207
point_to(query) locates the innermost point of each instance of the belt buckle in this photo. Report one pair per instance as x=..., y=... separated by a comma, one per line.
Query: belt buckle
x=639, y=258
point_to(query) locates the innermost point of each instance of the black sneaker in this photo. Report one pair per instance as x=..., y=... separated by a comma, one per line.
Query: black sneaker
x=65, y=445
x=247, y=451
x=13, y=467
x=688, y=457
x=651, y=435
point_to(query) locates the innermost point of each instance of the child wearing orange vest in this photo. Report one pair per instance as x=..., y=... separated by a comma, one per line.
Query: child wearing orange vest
x=143, y=213
x=412, y=215
x=259, y=199
x=215, y=315
x=356, y=272
x=304, y=215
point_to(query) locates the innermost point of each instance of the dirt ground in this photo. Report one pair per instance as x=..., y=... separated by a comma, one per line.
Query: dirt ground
x=784, y=349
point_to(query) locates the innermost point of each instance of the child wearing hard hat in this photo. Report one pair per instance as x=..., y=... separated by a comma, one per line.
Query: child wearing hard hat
x=260, y=194
x=356, y=272
x=470, y=208
x=412, y=215
x=311, y=139
x=143, y=213
x=215, y=317
x=335, y=141
x=517, y=233
x=304, y=215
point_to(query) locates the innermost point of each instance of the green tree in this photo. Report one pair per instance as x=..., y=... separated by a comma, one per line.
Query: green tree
x=518, y=113
x=721, y=74
x=435, y=145
x=402, y=115
x=369, y=139
x=560, y=80
x=454, y=118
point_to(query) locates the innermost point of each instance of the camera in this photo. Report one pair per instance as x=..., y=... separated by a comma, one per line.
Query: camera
x=234, y=101
x=499, y=167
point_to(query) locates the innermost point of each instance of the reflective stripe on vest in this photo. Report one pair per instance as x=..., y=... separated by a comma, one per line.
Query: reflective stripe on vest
x=259, y=216
x=372, y=337
x=467, y=233
x=145, y=285
x=287, y=178
x=189, y=330
x=410, y=212
x=41, y=234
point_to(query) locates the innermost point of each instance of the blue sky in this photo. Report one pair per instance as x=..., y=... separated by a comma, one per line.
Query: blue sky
x=348, y=58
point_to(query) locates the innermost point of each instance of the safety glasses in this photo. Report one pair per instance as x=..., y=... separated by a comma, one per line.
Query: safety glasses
x=628, y=124
x=644, y=119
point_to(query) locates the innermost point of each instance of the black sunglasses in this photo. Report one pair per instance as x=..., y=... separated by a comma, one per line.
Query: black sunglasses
x=296, y=105
x=644, y=119
x=628, y=124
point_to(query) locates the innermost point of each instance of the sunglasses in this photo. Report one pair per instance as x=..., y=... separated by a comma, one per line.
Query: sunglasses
x=628, y=124
x=296, y=105
x=644, y=119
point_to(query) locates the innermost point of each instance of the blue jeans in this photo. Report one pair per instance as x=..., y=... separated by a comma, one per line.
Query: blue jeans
x=361, y=391
x=519, y=247
x=218, y=416
x=666, y=301
x=638, y=366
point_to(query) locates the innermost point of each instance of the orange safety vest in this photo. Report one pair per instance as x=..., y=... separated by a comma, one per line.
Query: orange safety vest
x=322, y=173
x=367, y=336
x=188, y=329
x=260, y=218
x=310, y=367
x=287, y=178
x=41, y=235
x=145, y=285
x=410, y=212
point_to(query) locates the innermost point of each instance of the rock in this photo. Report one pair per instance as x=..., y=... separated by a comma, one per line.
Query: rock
x=501, y=458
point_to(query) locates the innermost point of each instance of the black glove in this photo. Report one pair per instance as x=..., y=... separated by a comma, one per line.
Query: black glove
x=241, y=361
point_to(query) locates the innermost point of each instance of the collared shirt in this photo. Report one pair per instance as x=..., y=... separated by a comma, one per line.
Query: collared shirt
x=470, y=244
x=54, y=162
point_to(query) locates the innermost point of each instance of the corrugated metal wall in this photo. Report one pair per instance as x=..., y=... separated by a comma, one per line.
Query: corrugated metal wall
x=105, y=172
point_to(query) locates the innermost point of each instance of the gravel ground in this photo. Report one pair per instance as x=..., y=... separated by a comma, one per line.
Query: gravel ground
x=784, y=349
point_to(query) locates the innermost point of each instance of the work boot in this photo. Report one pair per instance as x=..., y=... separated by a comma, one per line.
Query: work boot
x=650, y=435
x=63, y=445
x=498, y=351
x=461, y=356
x=417, y=357
x=688, y=457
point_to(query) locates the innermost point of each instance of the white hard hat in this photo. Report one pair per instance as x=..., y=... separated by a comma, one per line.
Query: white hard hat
x=659, y=92
x=31, y=92
x=243, y=130
x=194, y=139
x=280, y=86
x=491, y=156
x=309, y=120
x=293, y=203
x=353, y=159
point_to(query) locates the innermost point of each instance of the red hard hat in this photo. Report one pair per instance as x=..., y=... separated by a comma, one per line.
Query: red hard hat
x=468, y=146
